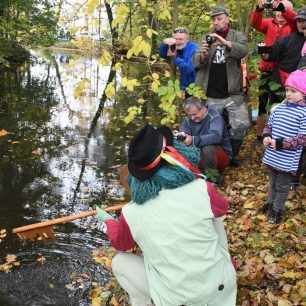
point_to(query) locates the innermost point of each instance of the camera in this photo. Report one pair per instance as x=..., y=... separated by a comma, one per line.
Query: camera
x=172, y=47
x=268, y=5
x=210, y=40
x=180, y=136
x=264, y=49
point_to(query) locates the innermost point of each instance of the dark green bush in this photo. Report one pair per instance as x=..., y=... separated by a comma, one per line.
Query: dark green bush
x=12, y=52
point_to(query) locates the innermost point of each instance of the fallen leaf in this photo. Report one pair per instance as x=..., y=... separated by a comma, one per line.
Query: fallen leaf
x=10, y=258
x=96, y=301
x=3, y=133
x=114, y=301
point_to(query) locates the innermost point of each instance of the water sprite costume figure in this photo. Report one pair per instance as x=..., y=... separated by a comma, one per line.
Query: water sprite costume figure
x=174, y=217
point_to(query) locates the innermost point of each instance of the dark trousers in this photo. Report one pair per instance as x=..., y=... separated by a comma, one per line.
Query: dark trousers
x=214, y=157
x=279, y=188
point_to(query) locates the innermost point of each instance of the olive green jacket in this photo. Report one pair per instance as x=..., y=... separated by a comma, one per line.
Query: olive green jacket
x=233, y=58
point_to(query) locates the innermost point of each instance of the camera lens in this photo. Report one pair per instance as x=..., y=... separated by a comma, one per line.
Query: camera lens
x=173, y=47
x=210, y=40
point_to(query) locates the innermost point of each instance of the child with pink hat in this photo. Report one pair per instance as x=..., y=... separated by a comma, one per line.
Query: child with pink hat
x=285, y=136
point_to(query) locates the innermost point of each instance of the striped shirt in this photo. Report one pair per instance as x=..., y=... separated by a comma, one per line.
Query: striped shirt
x=287, y=121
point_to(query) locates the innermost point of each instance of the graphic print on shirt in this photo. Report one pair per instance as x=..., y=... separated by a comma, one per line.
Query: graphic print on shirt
x=219, y=57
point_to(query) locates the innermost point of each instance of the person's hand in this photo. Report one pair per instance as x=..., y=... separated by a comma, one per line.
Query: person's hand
x=102, y=215
x=220, y=41
x=273, y=144
x=204, y=48
x=263, y=56
x=267, y=141
x=261, y=4
x=277, y=6
x=188, y=140
x=169, y=41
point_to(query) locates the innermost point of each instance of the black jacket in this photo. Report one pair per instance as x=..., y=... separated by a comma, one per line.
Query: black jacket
x=286, y=51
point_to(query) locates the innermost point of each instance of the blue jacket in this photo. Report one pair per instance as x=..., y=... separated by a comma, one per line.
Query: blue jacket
x=184, y=61
x=210, y=131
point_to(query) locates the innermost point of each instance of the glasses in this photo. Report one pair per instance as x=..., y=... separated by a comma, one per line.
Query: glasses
x=180, y=30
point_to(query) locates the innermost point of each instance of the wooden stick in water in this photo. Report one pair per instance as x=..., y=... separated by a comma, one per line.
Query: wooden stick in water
x=43, y=229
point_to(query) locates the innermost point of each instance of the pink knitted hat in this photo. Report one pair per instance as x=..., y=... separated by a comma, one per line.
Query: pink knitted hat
x=297, y=79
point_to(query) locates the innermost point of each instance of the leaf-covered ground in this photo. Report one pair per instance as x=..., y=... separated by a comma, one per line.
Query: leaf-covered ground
x=270, y=258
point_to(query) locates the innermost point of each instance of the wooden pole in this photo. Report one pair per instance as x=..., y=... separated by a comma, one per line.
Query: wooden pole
x=64, y=219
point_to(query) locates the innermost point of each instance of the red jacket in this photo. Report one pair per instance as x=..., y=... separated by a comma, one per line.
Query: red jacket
x=272, y=30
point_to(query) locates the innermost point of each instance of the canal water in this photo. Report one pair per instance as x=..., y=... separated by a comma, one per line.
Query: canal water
x=62, y=155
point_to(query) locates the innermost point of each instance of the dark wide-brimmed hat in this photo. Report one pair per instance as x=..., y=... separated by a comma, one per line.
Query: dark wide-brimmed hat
x=145, y=149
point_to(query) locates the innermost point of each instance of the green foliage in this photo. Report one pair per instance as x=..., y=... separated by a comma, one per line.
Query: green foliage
x=211, y=174
x=12, y=52
x=168, y=94
x=27, y=22
x=81, y=87
x=195, y=90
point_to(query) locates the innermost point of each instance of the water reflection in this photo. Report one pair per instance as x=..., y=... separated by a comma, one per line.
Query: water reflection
x=61, y=156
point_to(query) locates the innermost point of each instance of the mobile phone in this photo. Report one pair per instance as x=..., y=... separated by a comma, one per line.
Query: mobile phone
x=264, y=49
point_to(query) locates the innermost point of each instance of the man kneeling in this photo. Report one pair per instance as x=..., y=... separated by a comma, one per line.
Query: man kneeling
x=205, y=128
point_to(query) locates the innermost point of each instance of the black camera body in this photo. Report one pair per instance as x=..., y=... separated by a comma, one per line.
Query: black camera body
x=264, y=49
x=172, y=47
x=210, y=40
x=268, y=5
x=180, y=136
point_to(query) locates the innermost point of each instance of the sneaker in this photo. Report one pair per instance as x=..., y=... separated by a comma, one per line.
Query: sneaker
x=276, y=216
x=293, y=186
x=267, y=209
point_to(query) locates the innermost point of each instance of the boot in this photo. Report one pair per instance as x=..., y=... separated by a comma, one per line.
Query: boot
x=276, y=216
x=236, y=144
x=267, y=209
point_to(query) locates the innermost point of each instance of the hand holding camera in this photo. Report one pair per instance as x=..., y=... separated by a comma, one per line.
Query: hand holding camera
x=179, y=136
x=210, y=40
x=272, y=5
x=268, y=4
x=171, y=43
x=263, y=49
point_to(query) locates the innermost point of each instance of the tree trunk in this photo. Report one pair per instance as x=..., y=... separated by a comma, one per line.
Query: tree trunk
x=114, y=31
x=174, y=25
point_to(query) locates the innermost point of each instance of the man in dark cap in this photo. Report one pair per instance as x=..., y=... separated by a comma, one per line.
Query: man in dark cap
x=218, y=62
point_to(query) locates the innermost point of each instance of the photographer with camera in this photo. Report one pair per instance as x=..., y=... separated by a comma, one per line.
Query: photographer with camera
x=218, y=63
x=179, y=49
x=286, y=52
x=205, y=128
x=281, y=25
